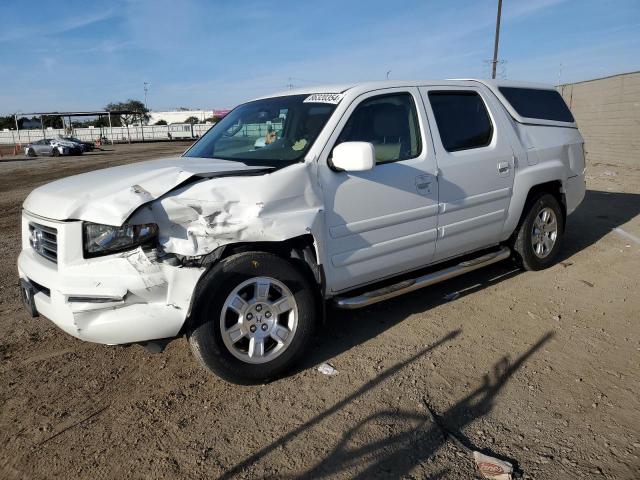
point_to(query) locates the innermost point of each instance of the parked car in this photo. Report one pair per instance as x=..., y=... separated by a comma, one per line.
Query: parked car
x=362, y=193
x=85, y=146
x=52, y=147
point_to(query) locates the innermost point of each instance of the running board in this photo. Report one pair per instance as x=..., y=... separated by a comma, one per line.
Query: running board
x=384, y=293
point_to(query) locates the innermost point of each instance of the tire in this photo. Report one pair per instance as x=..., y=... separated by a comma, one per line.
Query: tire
x=537, y=248
x=227, y=342
x=31, y=153
x=55, y=152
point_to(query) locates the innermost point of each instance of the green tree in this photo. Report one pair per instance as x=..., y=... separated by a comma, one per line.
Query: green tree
x=7, y=122
x=213, y=119
x=139, y=113
x=161, y=122
x=53, y=122
x=192, y=120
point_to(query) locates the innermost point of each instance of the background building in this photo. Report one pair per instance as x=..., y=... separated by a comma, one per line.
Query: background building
x=180, y=116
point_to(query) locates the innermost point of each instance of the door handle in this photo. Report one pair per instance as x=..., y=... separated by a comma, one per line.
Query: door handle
x=503, y=167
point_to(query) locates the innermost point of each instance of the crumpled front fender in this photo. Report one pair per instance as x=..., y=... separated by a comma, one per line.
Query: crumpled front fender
x=196, y=219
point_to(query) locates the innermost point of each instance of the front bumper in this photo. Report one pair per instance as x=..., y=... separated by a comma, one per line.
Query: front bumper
x=122, y=298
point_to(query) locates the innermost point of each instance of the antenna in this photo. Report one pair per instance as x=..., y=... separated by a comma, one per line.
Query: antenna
x=388, y=72
x=290, y=85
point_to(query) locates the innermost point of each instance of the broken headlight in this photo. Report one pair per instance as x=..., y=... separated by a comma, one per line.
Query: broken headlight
x=105, y=239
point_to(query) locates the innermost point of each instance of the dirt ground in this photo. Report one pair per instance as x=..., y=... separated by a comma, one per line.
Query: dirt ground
x=541, y=368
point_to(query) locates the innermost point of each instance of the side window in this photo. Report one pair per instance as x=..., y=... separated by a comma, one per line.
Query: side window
x=390, y=123
x=536, y=103
x=462, y=119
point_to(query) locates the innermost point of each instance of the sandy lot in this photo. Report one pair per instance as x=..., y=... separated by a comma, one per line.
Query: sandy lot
x=541, y=368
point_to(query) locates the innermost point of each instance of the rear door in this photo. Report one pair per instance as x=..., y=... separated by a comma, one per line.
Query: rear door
x=475, y=167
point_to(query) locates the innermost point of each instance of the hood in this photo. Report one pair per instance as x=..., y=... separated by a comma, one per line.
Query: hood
x=111, y=195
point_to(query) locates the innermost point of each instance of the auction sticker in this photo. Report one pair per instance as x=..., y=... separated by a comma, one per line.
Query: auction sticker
x=332, y=98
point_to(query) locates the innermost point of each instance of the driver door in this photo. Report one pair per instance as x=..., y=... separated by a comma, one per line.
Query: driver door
x=43, y=147
x=380, y=222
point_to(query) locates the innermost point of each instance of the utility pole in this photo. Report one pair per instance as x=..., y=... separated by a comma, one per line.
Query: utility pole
x=559, y=75
x=18, y=128
x=146, y=89
x=495, y=46
x=290, y=85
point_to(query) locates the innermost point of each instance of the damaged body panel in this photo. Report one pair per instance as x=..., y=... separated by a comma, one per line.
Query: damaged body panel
x=111, y=195
x=196, y=219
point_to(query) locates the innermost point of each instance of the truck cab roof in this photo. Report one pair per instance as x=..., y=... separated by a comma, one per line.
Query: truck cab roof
x=496, y=87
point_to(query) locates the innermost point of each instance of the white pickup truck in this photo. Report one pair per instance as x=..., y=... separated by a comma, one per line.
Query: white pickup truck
x=344, y=194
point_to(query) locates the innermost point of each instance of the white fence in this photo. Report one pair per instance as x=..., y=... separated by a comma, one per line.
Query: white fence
x=134, y=133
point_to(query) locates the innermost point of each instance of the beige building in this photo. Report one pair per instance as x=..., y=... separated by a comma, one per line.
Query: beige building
x=608, y=114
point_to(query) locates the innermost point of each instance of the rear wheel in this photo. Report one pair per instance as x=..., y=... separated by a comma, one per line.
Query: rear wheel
x=539, y=236
x=55, y=152
x=31, y=152
x=254, y=316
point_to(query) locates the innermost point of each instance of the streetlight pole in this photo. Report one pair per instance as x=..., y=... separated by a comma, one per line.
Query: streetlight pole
x=495, y=46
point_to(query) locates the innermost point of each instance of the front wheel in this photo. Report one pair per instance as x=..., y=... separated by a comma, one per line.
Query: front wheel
x=253, y=318
x=55, y=152
x=31, y=152
x=538, y=238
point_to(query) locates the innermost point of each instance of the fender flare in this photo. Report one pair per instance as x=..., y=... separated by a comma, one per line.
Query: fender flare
x=524, y=181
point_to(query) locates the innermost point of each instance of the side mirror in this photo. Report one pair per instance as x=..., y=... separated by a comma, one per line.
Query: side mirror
x=354, y=156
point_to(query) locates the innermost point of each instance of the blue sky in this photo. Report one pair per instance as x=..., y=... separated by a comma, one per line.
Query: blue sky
x=80, y=55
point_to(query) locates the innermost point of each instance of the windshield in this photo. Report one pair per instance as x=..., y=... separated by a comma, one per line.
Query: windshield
x=274, y=131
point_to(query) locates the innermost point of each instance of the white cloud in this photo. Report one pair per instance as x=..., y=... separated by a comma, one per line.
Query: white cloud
x=55, y=26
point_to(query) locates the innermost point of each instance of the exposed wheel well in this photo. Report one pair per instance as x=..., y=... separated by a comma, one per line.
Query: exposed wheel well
x=300, y=249
x=554, y=188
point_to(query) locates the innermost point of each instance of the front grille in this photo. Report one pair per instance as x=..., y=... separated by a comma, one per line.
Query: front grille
x=44, y=240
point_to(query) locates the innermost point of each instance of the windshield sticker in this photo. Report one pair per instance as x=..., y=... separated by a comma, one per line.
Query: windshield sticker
x=332, y=98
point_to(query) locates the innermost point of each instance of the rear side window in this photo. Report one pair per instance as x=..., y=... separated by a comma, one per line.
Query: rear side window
x=462, y=119
x=534, y=103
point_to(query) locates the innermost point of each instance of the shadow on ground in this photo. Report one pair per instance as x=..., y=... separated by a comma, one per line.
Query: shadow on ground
x=396, y=455
x=598, y=214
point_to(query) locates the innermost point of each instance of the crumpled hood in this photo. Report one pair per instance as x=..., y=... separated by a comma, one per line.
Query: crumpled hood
x=111, y=195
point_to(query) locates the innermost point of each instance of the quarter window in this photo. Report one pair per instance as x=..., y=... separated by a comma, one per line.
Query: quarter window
x=537, y=103
x=390, y=123
x=462, y=119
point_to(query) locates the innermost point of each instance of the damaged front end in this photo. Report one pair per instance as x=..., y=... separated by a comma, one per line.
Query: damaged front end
x=141, y=291
x=126, y=297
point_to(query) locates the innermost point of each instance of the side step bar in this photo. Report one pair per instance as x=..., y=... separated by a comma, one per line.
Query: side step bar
x=384, y=293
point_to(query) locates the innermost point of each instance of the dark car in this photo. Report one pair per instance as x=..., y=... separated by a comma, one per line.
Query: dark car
x=86, y=146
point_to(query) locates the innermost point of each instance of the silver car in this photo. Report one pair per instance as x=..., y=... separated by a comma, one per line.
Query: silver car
x=52, y=147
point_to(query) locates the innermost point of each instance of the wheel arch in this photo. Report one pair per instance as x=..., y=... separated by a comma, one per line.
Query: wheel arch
x=302, y=250
x=547, y=177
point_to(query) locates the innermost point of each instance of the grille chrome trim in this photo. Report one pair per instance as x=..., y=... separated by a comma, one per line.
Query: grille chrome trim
x=44, y=240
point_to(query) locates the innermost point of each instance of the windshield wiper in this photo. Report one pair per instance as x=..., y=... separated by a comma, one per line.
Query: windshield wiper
x=235, y=173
